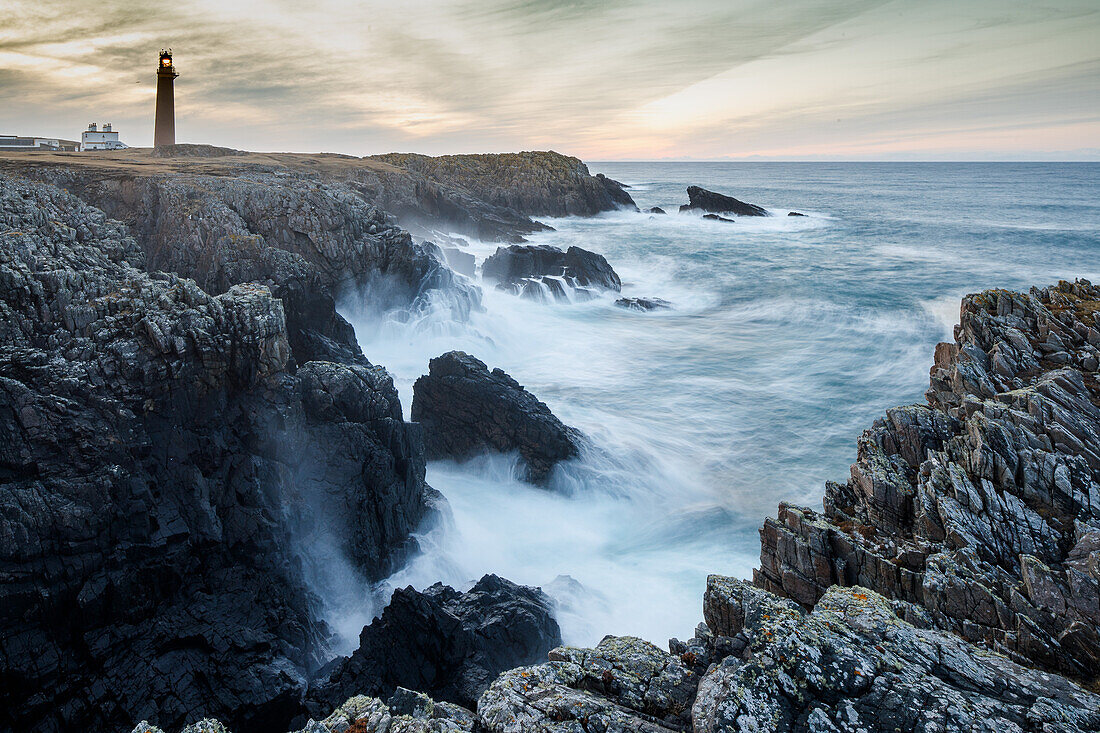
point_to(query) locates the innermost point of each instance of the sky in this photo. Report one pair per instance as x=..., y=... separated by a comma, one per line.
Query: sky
x=599, y=79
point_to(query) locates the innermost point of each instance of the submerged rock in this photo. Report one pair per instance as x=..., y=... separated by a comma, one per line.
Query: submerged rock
x=715, y=217
x=716, y=203
x=165, y=478
x=978, y=513
x=578, y=267
x=444, y=643
x=655, y=210
x=466, y=410
x=794, y=213
x=643, y=304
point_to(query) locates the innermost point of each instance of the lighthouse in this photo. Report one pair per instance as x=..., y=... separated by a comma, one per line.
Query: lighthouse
x=164, y=128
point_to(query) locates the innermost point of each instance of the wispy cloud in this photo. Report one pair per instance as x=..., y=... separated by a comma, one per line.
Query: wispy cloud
x=598, y=78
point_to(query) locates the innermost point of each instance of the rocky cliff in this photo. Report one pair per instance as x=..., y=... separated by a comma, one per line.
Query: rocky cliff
x=978, y=512
x=158, y=457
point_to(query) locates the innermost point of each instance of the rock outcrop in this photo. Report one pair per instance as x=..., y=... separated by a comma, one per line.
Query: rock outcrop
x=465, y=410
x=447, y=644
x=530, y=183
x=979, y=513
x=715, y=203
x=531, y=270
x=164, y=477
x=763, y=663
x=643, y=304
x=310, y=242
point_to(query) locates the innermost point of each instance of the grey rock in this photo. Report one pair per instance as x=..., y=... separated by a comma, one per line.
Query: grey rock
x=643, y=304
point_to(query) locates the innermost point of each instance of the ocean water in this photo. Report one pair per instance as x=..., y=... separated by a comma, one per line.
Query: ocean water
x=789, y=335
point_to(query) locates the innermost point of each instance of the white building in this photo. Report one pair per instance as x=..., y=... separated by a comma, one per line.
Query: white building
x=26, y=143
x=96, y=139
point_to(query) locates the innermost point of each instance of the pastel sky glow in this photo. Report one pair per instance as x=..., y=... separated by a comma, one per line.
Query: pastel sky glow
x=601, y=79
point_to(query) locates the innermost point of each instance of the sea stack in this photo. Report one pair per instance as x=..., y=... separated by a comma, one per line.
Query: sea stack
x=164, y=127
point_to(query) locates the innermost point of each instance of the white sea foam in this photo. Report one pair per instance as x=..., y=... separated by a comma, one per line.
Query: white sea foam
x=788, y=336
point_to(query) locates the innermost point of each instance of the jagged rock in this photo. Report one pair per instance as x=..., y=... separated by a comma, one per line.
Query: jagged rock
x=655, y=210
x=716, y=203
x=447, y=644
x=852, y=664
x=643, y=304
x=976, y=513
x=794, y=213
x=158, y=458
x=715, y=217
x=578, y=267
x=466, y=410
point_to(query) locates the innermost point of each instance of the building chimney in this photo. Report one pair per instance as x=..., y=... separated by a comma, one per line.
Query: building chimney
x=164, y=127
x=91, y=127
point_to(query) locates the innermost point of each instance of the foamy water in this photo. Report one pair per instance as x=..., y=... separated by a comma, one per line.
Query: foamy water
x=789, y=335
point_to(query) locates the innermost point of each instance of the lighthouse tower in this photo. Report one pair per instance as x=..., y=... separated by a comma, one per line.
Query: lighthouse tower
x=164, y=128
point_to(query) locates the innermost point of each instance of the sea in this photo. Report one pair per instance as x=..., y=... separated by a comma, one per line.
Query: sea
x=787, y=337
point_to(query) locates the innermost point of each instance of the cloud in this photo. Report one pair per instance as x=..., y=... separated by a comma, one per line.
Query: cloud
x=600, y=78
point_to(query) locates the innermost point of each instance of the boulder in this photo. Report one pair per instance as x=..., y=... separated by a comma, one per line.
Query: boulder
x=579, y=267
x=465, y=409
x=655, y=210
x=446, y=644
x=643, y=304
x=716, y=203
x=794, y=213
x=715, y=217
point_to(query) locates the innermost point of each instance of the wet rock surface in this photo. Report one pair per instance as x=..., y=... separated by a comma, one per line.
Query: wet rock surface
x=717, y=203
x=465, y=410
x=980, y=511
x=158, y=459
x=643, y=304
x=447, y=644
x=529, y=270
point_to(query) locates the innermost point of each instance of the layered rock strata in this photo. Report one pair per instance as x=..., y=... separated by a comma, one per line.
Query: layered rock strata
x=979, y=511
x=466, y=410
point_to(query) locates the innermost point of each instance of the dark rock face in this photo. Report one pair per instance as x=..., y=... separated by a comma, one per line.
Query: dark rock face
x=715, y=217
x=464, y=409
x=716, y=203
x=157, y=459
x=579, y=267
x=655, y=210
x=446, y=644
x=794, y=213
x=643, y=304
x=980, y=512
x=308, y=241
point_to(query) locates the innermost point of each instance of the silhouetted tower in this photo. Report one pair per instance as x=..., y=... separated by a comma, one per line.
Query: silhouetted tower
x=164, y=127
